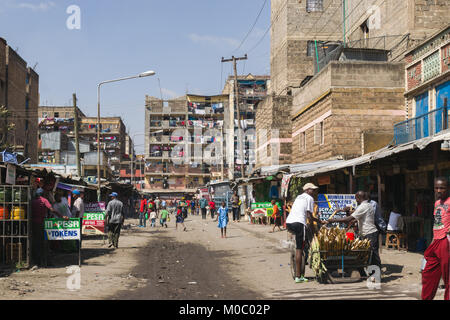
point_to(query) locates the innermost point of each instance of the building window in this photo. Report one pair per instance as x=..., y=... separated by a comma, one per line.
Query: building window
x=44, y=114
x=67, y=115
x=303, y=141
x=322, y=133
x=314, y=5
x=56, y=114
x=318, y=130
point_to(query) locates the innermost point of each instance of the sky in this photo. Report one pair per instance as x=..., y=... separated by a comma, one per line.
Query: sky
x=183, y=41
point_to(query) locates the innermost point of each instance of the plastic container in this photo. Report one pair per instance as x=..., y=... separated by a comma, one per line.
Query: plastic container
x=350, y=236
x=19, y=195
x=18, y=213
x=4, y=213
x=5, y=195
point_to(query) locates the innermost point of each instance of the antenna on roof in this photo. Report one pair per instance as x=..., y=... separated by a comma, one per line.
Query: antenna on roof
x=35, y=65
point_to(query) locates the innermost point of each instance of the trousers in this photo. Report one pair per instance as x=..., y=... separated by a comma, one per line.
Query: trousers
x=374, y=246
x=114, y=233
x=236, y=214
x=437, y=266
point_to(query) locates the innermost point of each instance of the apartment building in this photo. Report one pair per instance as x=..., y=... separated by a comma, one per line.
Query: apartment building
x=19, y=95
x=252, y=89
x=184, y=143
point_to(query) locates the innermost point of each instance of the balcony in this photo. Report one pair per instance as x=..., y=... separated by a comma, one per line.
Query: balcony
x=422, y=126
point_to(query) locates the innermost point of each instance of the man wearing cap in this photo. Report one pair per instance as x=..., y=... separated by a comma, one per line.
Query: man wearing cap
x=302, y=209
x=78, y=204
x=114, y=219
x=40, y=207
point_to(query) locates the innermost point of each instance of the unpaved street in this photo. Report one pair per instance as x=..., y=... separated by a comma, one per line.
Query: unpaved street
x=162, y=263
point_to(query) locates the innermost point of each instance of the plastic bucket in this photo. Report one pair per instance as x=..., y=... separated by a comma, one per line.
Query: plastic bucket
x=4, y=213
x=350, y=236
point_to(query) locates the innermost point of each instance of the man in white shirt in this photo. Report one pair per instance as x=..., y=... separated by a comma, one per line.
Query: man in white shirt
x=365, y=215
x=302, y=209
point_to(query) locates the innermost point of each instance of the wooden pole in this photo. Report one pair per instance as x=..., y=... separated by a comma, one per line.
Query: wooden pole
x=77, y=138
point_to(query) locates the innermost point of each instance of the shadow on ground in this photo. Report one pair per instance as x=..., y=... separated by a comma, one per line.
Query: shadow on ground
x=180, y=271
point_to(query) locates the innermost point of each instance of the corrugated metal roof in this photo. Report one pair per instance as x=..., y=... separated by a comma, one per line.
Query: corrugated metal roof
x=379, y=154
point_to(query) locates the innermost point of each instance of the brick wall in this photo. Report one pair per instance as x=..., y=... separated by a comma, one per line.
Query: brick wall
x=414, y=75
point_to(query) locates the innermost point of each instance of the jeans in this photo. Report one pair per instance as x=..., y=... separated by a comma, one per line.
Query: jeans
x=153, y=222
x=114, y=233
x=142, y=220
x=203, y=213
x=236, y=214
x=212, y=213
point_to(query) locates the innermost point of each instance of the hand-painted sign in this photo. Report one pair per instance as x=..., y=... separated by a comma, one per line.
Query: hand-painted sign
x=94, y=218
x=328, y=203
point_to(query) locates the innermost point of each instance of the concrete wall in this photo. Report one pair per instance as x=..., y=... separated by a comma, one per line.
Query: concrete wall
x=273, y=130
x=350, y=99
x=21, y=99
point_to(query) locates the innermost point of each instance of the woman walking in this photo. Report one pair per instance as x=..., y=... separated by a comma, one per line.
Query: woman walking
x=222, y=217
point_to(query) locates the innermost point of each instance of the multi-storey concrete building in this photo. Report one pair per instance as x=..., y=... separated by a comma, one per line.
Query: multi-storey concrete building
x=184, y=143
x=19, y=94
x=427, y=74
x=252, y=90
x=315, y=49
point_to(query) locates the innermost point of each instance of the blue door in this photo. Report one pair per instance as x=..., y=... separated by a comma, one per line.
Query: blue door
x=422, y=116
x=442, y=101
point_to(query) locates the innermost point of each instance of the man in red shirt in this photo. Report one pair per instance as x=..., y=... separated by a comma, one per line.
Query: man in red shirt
x=437, y=254
x=212, y=208
x=40, y=207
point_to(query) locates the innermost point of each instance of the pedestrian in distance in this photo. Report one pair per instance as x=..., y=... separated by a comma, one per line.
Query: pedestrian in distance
x=222, y=217
x=153, y=219
x=438, y=252
x=164, y=215
x=114, y=219
x=203, y=204
x=276, y=215
x=180, y=218
x=235, y=204
x=212, y=208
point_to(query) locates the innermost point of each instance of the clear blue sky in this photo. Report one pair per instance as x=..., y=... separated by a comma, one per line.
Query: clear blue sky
x=182, y=40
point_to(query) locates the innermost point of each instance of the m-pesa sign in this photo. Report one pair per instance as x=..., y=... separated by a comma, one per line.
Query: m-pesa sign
x=94, y=218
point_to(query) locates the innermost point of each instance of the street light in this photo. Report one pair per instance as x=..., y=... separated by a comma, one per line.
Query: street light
x=141, y=75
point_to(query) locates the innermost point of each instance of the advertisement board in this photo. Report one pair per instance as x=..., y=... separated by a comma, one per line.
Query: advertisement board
x=60, y=229
x=328, y=203
x=94, y=218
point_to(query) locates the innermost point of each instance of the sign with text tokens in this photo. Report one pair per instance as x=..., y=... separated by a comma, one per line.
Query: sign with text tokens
x=60, y=229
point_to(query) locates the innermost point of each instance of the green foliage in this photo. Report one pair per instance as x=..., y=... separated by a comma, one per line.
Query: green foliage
x=295, y=187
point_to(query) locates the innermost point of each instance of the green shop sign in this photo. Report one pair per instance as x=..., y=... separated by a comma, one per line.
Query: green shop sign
x=60, y=229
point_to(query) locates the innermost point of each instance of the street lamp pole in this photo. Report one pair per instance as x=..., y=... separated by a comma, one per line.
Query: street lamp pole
x=141, y=75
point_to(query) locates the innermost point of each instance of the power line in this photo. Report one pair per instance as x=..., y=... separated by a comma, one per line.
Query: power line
x=253, y=26
x=271, y=23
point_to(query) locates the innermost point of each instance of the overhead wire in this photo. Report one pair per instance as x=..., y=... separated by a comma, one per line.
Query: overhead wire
x=252, y=27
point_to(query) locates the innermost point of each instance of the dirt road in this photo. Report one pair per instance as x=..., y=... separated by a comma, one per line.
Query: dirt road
x=162, y=263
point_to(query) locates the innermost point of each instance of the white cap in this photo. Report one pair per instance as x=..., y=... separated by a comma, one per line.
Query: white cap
x=309, y=186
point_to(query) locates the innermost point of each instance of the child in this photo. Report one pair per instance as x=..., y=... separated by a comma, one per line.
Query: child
x=222, y=217
x=276, y=217
x=153, y=218
x=180, y=218
x=164, y=213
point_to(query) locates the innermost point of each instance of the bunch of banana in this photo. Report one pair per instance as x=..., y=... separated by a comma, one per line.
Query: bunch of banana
x=315, y=260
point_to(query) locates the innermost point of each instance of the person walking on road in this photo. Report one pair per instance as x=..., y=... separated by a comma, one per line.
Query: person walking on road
x=114, y=219
x=235, y=206
x=276, y=217
x=222, y=217
x=203, y=204
x=164, y=214
x=437, y=253
x=212, y=208
x=153, y=219
x=180, y=219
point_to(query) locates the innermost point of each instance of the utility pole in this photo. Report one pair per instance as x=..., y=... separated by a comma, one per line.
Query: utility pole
x=77, y=138
x=241, y=144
